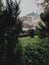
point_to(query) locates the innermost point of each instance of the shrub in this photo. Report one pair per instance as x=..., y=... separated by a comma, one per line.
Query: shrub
x=40, y=32
x=31, y=33
x=37, y=53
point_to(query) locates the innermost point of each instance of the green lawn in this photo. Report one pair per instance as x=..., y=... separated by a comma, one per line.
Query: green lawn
x=28, y=40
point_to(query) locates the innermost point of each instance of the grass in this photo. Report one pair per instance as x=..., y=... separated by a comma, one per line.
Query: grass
x=28, y=40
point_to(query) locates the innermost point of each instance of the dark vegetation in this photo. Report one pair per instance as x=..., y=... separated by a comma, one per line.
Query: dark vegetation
x=30, y=33
x=14, y=50
x=37, y=53
x=45, y=18
x=10, y=27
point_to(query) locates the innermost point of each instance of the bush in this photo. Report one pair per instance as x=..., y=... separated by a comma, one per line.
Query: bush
x=18, y=53
x=40, y=32
x=37, y=53
x=31, y=33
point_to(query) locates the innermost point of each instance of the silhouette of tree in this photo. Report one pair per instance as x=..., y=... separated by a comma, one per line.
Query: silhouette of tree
x=45, y=16
x=44, y=30
x=10, y=27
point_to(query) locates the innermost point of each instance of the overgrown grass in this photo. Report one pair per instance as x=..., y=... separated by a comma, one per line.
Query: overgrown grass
x=28, y=40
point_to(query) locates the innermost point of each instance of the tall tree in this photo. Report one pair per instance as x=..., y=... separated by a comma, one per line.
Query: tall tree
x=10, y=27
x=45, y=17
x=43, y=30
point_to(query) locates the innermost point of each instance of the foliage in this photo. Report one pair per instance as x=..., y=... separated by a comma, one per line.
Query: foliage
x=24, y=33
x=31, y=33
x=38, y=53
x=41, y=31
x=45, y=18
x=24, y=41
x=10, y=27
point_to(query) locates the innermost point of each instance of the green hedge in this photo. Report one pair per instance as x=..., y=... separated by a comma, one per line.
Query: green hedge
x=37, y=53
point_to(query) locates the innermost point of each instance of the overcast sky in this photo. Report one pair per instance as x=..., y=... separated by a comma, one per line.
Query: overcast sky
x=28, y=6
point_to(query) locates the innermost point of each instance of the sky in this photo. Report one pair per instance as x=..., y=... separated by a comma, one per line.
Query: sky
x=28, y=6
